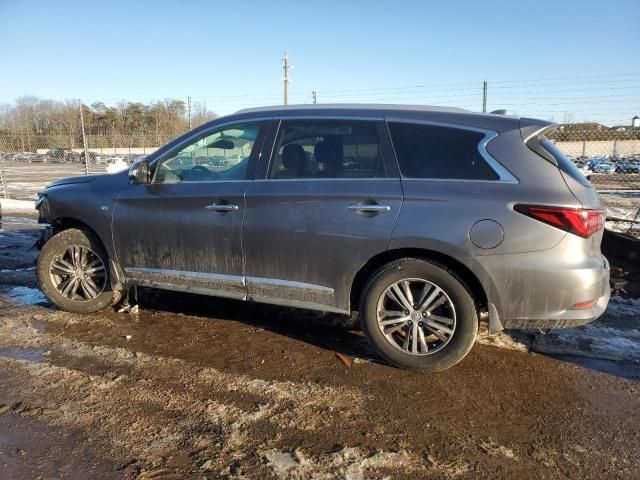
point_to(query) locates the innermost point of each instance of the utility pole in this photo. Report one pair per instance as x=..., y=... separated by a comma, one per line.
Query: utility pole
x=84, y=142
x=315, y=97
x=286, y=78
x=189, y=109
x=484, y=97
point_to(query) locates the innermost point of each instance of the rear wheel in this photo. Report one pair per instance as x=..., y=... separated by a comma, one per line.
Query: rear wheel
x=419, y=315
x=73, y=272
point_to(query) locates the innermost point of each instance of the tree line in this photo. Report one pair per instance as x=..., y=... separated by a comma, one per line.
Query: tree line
x=32, y=120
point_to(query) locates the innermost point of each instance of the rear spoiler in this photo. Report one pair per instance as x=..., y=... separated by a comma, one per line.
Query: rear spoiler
x=531, y=129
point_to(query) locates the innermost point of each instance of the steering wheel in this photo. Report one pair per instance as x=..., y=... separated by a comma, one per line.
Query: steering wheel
x=200, y=172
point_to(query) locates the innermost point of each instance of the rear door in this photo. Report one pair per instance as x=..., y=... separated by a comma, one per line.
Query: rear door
x=183, y=230
x=327, y=202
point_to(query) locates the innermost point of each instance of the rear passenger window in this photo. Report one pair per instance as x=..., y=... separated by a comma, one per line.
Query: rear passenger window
x=327, y=149
x=429, y=151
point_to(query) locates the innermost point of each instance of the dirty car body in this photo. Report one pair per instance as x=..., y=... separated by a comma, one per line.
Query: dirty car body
x=302, y=205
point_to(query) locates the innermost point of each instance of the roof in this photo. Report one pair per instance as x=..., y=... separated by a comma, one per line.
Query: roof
x=458, y=116
x=353, y=106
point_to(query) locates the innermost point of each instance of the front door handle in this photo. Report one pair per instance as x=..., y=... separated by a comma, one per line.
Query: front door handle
x=373, y=208
x=221, y=207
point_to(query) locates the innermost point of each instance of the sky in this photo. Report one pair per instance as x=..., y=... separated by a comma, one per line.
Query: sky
x=562, y=60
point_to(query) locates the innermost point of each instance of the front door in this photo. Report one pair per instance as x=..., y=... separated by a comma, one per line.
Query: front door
x=328, y=203
x=183, y=230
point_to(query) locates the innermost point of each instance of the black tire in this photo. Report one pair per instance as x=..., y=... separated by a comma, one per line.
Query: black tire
x=54, y=248
x=466, y=321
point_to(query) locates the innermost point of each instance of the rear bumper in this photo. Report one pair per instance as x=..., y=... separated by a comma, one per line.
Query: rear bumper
x=567, y=319
x=540, y=289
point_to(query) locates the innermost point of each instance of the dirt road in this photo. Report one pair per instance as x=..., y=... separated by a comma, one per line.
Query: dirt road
x=193, y=387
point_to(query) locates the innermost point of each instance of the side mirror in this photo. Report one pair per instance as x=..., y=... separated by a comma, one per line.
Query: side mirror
x=140, y=172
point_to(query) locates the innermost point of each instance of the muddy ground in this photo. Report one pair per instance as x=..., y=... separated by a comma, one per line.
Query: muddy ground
x=195, y=387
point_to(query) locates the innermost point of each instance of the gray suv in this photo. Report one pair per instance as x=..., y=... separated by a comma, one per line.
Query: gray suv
x=425, y=220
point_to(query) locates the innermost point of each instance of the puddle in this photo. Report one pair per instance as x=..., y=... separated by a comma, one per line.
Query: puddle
x=25, y=295
x=35, y=355
x=11, y=224
x=629, y=370
x=12, y=270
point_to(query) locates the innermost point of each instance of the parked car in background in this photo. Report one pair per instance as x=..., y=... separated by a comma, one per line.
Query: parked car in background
x=28, y=157
x=425, y=220
x=628, y=167
x=603, y=167
x=56, y=152
x=90, y=155
x=59, y=155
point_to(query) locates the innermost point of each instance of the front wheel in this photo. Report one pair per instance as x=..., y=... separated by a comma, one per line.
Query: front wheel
x=419, y=315
x=73, y=272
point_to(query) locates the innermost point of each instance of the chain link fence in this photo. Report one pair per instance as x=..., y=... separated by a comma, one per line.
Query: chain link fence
x=29, y=162
x=610, y=158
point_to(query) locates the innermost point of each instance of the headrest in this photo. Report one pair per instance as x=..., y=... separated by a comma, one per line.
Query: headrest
x=294, y=157
x=323, y=153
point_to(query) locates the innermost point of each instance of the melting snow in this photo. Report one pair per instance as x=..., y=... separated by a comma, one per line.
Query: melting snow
x=24, y=295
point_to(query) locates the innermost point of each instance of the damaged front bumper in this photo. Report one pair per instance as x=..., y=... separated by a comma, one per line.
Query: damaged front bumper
x=45, y=235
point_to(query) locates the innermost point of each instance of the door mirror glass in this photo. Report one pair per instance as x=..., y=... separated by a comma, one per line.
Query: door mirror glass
x=140, y=172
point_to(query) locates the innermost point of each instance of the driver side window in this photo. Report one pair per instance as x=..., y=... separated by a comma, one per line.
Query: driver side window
x=215, y=156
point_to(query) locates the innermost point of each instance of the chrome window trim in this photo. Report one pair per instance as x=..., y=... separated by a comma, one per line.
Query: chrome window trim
x=504, y=175
x=195, y=182
x=240, y=286
x=239, y=279
x=287, y=283
x=310, y=179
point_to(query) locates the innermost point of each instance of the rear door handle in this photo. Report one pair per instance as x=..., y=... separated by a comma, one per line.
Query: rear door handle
x=374, y=208
x=221, y=207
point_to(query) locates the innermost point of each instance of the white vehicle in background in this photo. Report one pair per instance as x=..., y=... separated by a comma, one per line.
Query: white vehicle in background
x=585, y=169
x=118, y=165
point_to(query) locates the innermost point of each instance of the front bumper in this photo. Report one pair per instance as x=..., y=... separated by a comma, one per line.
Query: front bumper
x=45, y=234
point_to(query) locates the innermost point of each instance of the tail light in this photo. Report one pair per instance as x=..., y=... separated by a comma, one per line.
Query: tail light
x=584, y=305
x=579, y=221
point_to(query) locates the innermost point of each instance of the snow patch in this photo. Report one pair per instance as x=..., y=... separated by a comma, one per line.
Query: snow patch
x=25, y=295
x=628, y=307
x=616, y=336
x=349, y=463
x=118, y=166
x=17, y=207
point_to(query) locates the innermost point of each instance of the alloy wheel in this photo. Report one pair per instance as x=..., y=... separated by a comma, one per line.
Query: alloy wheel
x=416, y=316
x=78, y=273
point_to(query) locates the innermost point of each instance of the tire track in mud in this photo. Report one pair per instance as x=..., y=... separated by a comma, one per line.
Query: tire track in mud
x=147, y=408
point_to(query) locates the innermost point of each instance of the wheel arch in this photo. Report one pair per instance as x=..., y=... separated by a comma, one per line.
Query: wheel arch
x=470, y=280
x=61, y=224
x=65, y=223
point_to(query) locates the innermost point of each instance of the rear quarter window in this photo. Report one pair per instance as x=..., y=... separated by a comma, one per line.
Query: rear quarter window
x=563, y=162
x=438, y=152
